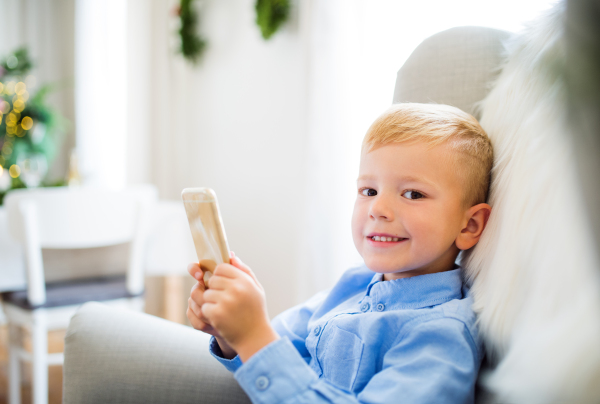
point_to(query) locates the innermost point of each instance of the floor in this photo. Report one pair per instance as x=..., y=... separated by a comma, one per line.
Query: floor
x=166, y=297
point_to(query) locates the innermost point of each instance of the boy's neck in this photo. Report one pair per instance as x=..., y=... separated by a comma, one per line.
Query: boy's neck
x=443, y=264
x=410, y=274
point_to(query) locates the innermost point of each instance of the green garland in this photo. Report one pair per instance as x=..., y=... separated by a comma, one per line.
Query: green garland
x=192, y=45
x=270, y=16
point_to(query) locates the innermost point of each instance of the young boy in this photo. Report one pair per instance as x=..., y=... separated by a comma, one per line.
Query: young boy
x=400, y=328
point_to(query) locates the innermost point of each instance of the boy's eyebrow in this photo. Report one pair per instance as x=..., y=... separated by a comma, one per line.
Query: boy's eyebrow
x=407, y=178
x=364, y=177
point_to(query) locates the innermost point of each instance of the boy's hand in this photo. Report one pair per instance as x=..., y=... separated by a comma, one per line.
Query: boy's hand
x=194, y=313
x=196, y=300
x=235, y=306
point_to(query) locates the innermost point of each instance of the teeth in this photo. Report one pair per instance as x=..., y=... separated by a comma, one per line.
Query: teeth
x=378, y=238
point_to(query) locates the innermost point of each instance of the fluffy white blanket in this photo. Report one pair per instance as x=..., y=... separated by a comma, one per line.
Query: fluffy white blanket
x=535, y=274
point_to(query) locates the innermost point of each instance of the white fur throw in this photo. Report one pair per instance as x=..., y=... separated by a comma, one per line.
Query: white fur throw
x=535, y=273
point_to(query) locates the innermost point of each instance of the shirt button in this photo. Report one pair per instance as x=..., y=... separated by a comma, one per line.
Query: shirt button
x=317, y=330
x=262, y=383
x=380, y=307
x=365, y=307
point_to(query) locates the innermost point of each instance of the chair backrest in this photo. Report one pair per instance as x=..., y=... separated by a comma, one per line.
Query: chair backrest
x=454, y=67
x=65, y=218
x=77, y=218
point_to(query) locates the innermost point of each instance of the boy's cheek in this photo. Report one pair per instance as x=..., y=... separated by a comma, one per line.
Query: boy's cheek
x=357, y=229
x=358, y=243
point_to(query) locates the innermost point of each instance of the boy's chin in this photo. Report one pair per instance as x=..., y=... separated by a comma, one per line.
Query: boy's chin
x=383, y=267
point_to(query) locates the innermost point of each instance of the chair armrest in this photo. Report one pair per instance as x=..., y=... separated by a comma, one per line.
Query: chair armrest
x=120, y=356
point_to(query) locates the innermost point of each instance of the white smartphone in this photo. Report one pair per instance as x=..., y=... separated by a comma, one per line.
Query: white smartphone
x=207, y=228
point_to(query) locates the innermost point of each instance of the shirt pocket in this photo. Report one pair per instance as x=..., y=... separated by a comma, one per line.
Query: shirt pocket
x=341, y=358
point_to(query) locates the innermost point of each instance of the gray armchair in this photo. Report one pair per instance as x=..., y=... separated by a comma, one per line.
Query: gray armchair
x=123, y=357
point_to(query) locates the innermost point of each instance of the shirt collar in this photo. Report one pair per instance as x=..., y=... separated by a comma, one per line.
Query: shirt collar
x=417, y=291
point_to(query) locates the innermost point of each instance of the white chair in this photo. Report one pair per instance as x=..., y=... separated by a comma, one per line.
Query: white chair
x=63, y=218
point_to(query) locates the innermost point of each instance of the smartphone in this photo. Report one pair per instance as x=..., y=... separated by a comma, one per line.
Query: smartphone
x=207, y=228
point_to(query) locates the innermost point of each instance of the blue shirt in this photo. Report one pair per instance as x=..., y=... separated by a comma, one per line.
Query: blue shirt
x=411, y=340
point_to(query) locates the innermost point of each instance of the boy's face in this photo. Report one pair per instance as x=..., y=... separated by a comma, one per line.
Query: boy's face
x=412, y=194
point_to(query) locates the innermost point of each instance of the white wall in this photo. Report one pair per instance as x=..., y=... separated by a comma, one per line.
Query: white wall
x=247, y=110
x=235, y=123
x=275, y=127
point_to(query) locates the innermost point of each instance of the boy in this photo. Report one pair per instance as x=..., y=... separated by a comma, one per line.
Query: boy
x=400, y=328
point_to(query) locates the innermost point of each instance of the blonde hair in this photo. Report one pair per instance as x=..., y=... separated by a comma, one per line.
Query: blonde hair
x=436, y=124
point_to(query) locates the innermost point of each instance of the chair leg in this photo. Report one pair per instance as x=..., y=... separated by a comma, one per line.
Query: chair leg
x=39, y=366
x=14, y=368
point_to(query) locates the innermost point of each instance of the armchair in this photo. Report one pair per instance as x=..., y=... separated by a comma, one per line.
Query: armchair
x=114, y=356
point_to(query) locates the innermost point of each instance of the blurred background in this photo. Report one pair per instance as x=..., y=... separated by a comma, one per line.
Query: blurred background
x=266, y=102
x=273, y=125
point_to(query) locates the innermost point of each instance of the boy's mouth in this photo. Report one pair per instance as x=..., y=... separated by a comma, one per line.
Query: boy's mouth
x=385, y=239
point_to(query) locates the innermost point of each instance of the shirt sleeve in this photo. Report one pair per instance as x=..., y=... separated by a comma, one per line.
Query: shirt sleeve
x=230, y=364
x=291, y=324
x=432, y=362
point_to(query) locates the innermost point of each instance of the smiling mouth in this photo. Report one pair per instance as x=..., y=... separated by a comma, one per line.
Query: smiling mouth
x=383, y=239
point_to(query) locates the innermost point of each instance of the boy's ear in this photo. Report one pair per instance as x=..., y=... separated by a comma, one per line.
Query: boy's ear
x=476, y=219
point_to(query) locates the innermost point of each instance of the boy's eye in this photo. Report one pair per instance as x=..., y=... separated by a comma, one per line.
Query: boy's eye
x=413, y=195
x=368, y=192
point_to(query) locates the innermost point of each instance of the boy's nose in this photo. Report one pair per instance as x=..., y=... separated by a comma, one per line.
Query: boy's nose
x=381, y=209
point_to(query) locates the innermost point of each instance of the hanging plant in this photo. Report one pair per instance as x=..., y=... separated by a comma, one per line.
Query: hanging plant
x=271, y=15
x=192, y=45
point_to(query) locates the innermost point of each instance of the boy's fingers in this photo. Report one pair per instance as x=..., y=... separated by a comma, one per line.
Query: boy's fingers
x=219, y=282
x=198, y=285
x=211, y=296
x=233, y=270
x=208, y=309
x=226, y=270
x=194, y=270
x=197, y=293
x=197, y=289
x=195, y=321
x=195, y=307
x=237, y=262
